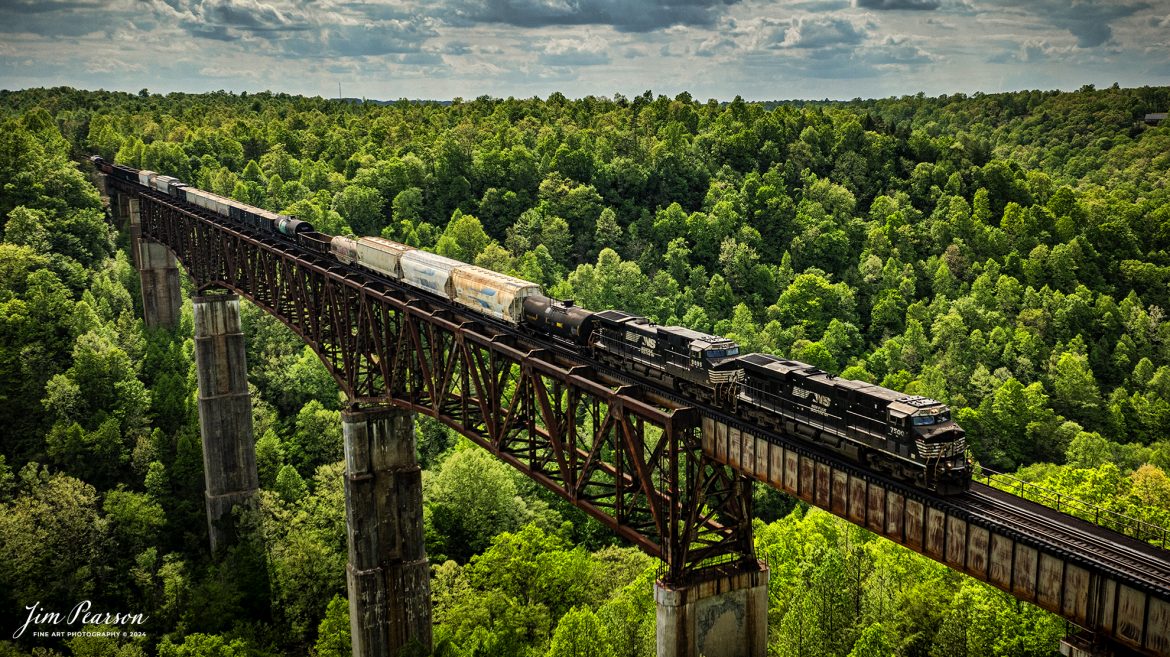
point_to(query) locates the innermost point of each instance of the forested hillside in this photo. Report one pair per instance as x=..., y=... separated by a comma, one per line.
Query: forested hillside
x=1008, y=254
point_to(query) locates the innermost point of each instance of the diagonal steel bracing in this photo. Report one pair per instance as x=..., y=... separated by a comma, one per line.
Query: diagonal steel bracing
x=628, y=457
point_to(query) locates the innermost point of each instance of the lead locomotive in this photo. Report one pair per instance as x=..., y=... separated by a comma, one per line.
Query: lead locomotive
x=913, y=439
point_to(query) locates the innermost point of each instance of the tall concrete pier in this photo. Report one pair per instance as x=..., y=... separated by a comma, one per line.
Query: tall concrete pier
x=722, y=614
x=225, y=413
x=158, y=273
x=387, y=573
x=120, y=202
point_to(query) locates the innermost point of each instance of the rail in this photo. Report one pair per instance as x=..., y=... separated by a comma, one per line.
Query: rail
x=1142, y=530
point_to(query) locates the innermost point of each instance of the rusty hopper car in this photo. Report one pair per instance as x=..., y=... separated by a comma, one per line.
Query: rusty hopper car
x=492, y=293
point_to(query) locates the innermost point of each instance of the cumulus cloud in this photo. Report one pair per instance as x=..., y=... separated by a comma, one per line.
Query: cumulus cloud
x=231, y=20
x=588, y=51
x=442, y=48
x=897, y=50
x=1033, y=51
x=822, y=32
x=714, y=45
x=623, y=15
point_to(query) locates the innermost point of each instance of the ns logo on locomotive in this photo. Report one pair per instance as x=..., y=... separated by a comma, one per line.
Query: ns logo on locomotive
x=912, y=439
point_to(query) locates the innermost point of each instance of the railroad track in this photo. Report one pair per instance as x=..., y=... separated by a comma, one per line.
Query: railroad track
x=1140, y=562
x=1132, y=559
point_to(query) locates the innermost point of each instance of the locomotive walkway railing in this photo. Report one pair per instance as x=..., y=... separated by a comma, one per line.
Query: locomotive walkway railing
x=1143, y=530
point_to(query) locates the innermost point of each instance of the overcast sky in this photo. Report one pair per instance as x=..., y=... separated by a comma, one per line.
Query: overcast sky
x=389, y=49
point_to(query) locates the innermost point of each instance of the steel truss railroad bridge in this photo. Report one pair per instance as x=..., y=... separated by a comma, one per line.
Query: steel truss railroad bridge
x=668, y=474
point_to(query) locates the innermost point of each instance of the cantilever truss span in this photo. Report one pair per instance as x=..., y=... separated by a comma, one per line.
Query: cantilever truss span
x=626, y=456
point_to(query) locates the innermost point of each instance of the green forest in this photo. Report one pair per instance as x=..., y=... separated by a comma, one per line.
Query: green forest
x=1008, y=254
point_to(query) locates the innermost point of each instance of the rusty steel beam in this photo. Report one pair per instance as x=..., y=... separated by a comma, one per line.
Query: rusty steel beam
x=653, y=470
x=626, y=456
x=1050, y=565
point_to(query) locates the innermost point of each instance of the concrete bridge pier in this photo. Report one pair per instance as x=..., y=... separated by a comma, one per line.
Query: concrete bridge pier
x=387, y=574
x=721, y=614
x=158, y=273
x=99, y=180
x=119, y=205
x=225, y=413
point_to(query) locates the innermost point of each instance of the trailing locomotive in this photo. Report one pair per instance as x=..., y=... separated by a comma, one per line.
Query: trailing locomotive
x=700, y=365
x=913, y=439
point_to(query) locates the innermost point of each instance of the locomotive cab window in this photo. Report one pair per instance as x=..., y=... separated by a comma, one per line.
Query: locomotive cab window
x=925, y=418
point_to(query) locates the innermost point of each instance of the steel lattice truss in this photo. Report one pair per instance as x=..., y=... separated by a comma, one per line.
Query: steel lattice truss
x=625, y=455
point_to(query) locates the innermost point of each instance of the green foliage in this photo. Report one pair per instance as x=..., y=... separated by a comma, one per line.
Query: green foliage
x=532, y=593
x=811, y=302
x=135, y=519
x=208, y=645
x=361, y=208
x=304, y=543
x=463, y=239
x=289, y=485
x=333, y=637
x=471, y=500
x=873, y=642
x=580, y=634
x=53, y=525
x=1006, y=253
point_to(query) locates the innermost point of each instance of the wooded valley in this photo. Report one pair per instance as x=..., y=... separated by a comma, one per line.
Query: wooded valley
x=1008, y=254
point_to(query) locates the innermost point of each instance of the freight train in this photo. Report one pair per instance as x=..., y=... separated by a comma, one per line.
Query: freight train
x=913, y=439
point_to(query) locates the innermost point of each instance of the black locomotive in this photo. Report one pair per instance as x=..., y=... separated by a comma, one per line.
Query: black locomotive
x=913, y=439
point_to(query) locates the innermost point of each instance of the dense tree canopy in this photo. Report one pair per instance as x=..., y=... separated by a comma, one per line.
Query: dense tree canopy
x=1008, y=254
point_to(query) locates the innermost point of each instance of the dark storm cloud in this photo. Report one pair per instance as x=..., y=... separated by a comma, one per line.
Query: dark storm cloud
x=1088, y=20
x=37, y=7
x=302, y=29
x=914, y=5
x=65, y=18
x=249, y=15
x=229, y=20
x=623, y=15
